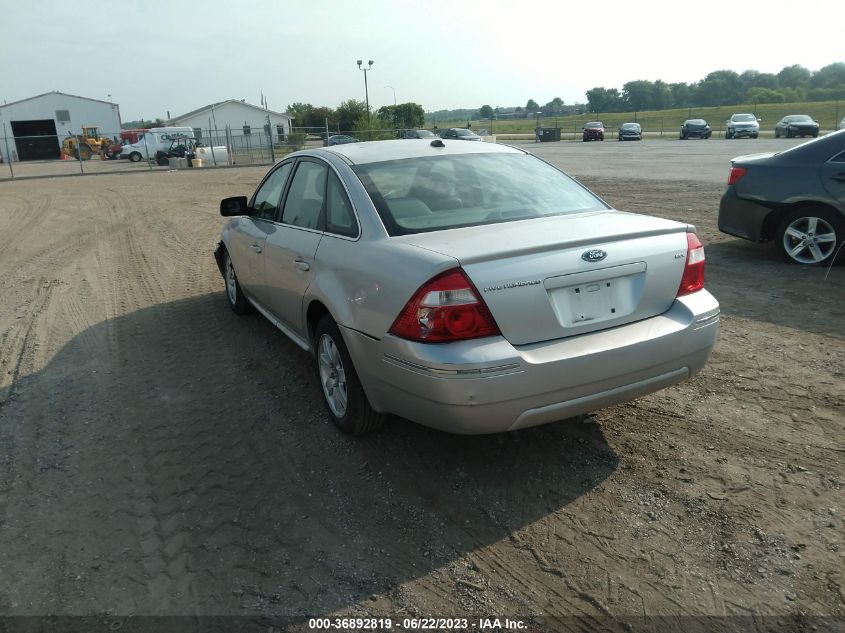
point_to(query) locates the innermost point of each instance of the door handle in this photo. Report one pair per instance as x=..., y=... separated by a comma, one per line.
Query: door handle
x=302, y=265
x=840, y=177
x=256, y=247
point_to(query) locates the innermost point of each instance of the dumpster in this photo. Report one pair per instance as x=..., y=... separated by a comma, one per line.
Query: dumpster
x=548, y=134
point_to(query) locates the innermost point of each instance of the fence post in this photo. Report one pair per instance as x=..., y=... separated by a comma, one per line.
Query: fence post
x=211, y=144
x=79, y=153
x=8, y=155
x=270, y=139
x=147, y=149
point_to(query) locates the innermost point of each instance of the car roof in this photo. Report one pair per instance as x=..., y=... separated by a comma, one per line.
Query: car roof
x=377, y=151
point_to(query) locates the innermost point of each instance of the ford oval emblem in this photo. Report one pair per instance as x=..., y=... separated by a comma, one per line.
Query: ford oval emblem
x=593, y=255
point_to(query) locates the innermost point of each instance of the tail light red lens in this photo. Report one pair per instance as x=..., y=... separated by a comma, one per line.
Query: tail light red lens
x=736, y=175
x=446, y=308
x=693, y=277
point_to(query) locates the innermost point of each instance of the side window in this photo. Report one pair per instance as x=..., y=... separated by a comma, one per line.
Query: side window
x=268, y=197
x=839, y=158
x=339, y=216
x=306, y=196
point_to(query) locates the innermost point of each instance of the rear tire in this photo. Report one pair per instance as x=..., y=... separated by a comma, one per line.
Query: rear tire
x=812, y=236
x=343, y=395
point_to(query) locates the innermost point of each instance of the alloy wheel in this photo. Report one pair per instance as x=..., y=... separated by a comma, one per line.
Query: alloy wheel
x=332, y=375
x=809, y=240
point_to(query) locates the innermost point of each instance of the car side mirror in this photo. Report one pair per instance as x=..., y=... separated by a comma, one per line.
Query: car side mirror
x=234, y=206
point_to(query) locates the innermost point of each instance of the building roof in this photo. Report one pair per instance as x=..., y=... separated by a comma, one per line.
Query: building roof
x=176, y=119
x=56, y=92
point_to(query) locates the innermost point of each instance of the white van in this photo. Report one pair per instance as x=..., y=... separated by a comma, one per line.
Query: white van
x=153, y=140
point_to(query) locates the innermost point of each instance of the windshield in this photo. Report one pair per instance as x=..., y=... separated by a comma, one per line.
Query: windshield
x=593, y=125
x=797, y=118
x=462, y=132
x=441, y=192
x=630, y=126
x=424, y=134
x=696, y=122
x=743, y=117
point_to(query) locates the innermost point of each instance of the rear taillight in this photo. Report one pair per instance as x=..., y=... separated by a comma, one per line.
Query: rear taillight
x=446, y=308
x=736, y=174
x=693, y=278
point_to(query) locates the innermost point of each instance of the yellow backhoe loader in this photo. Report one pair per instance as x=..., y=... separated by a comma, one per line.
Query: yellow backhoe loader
x=85, y=145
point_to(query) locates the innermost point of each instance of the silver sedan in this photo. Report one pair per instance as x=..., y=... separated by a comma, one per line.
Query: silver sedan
x=471, y=287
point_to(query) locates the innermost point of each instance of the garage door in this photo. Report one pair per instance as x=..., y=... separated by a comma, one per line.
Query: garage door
x=36, y=140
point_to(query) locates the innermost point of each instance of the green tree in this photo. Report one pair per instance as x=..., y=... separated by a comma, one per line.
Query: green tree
x=485, y=112
x=682, y=94
x=532, y=106
x=721, y=87
x=638, y=95
x=301, y=113
x=794, y=76
x=604, y=100
x=831, y=76
x=404, y=115
x=764, y=95
x=349, y=112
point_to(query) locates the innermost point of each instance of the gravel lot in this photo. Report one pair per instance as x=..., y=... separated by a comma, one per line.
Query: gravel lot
x=159, y=455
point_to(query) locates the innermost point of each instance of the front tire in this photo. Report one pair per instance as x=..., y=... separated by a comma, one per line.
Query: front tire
x=236, y=297
x=343, y=394
x=812, y=236
x=135, y=157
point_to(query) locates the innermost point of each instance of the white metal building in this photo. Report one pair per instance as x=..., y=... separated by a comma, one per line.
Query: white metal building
x=241, y=119
x=35, y=127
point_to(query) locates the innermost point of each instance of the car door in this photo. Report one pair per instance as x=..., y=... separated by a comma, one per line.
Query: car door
x=249, y=233
x=290, y=249
x=833, y=177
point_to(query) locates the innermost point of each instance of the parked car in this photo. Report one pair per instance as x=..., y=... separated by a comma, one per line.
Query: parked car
x=796, y=125
x=341, y=139
x=740, y=125
x=460, y=134
x=593, y=131
x=630, y=132
x=694, y=128
x=418, y=134
x=795, y=197
x=471, y=287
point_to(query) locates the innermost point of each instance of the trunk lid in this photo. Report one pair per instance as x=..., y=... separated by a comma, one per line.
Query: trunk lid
x=540, y=282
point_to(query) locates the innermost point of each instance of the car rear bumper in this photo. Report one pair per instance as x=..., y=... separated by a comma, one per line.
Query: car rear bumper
x=741, y=218
x=489, y=386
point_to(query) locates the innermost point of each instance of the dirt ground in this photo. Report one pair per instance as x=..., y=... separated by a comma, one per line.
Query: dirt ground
x=161, y=456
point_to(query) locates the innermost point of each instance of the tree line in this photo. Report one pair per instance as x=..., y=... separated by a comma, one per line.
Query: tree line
x=724, y=87
x=351, y=116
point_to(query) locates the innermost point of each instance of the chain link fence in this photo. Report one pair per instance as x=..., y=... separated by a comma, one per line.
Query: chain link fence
x=119, y=151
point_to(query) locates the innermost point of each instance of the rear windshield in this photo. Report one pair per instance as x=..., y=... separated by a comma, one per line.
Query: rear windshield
x=417, y=195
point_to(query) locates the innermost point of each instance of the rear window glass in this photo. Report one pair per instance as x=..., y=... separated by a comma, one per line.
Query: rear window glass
x=442, y=192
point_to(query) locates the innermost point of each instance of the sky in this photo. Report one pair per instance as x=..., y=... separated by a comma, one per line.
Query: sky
x=157, y=57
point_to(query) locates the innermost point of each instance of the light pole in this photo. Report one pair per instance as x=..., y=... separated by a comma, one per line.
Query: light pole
x=394, y=94
x=366, y=89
